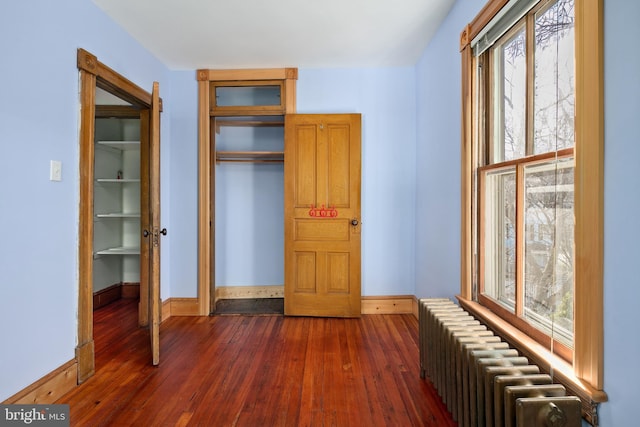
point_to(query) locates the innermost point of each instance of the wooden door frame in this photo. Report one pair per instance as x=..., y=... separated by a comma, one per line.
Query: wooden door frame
x=94, y=74
x=206, y=179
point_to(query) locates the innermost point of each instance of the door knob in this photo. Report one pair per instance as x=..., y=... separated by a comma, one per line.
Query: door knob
x=354, y=222
x=145, y=233
x=163, y=231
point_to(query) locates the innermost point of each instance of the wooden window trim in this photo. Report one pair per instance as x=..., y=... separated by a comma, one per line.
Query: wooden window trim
x=587, y=370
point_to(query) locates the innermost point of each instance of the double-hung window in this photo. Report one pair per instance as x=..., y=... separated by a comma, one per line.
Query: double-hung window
x=525, y=181
x=532, y=183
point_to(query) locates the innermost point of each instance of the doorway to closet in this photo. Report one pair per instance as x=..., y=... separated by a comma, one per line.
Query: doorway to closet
x=240, y=155
x=248, y=167
x=119, y=218
x=321, y=253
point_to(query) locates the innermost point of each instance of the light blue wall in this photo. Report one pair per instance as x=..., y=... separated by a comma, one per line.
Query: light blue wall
x=249, y=210
x=386, y=99
x=622, y=204
x=39, y=123
x=182, y=237
x=438, y=206
x=438, y=158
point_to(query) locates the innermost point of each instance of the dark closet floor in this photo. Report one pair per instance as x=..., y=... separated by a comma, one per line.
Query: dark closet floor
x=254, y=306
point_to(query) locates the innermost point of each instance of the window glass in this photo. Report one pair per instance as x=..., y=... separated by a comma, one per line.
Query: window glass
x=548, y=266
x=235, y=96
x=554, y=78
x=511, y=79
x=500, y=244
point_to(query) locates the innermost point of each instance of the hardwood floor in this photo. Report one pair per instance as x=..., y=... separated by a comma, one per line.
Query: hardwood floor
x=256, y=371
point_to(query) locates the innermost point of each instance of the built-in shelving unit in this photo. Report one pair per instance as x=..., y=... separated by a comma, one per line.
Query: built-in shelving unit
x=116, y=203
x=118, y=197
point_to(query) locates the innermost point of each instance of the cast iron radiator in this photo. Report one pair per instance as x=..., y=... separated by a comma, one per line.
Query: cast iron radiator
x=481, y=380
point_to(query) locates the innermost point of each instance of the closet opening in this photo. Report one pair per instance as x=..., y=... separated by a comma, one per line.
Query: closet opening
x=241, y=183
x=119, y=200
x=116, y=222
x=248, y=167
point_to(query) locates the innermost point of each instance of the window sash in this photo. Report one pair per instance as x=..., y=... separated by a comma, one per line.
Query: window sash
x=510, y=303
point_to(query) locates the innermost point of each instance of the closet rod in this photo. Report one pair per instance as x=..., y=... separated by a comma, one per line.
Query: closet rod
x=250, y=160
x=250, y=156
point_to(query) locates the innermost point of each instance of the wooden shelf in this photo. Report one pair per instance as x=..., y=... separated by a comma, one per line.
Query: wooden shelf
x=247, y=123
x=120, y=145
x=122, y=250
x=118, y=215
x=250, y=156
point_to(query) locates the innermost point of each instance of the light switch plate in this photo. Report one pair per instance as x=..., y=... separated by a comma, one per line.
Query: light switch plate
x=55, y=170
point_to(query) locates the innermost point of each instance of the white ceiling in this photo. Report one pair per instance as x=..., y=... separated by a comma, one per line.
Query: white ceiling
x=193, y=34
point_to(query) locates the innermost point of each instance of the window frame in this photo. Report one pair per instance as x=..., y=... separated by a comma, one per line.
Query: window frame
x=585, y=375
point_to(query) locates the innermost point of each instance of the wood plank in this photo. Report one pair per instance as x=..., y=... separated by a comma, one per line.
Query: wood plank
x=206, y=210
x=248, y=74
x=84, y=349
x=589, y=194
x=387, y=305
x=235, y=292
x=155, y=309
x=257, y=370
x=184, y=306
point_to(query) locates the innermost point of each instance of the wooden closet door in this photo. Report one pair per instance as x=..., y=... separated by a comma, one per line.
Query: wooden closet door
x=155, y=307
x=322, y=215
